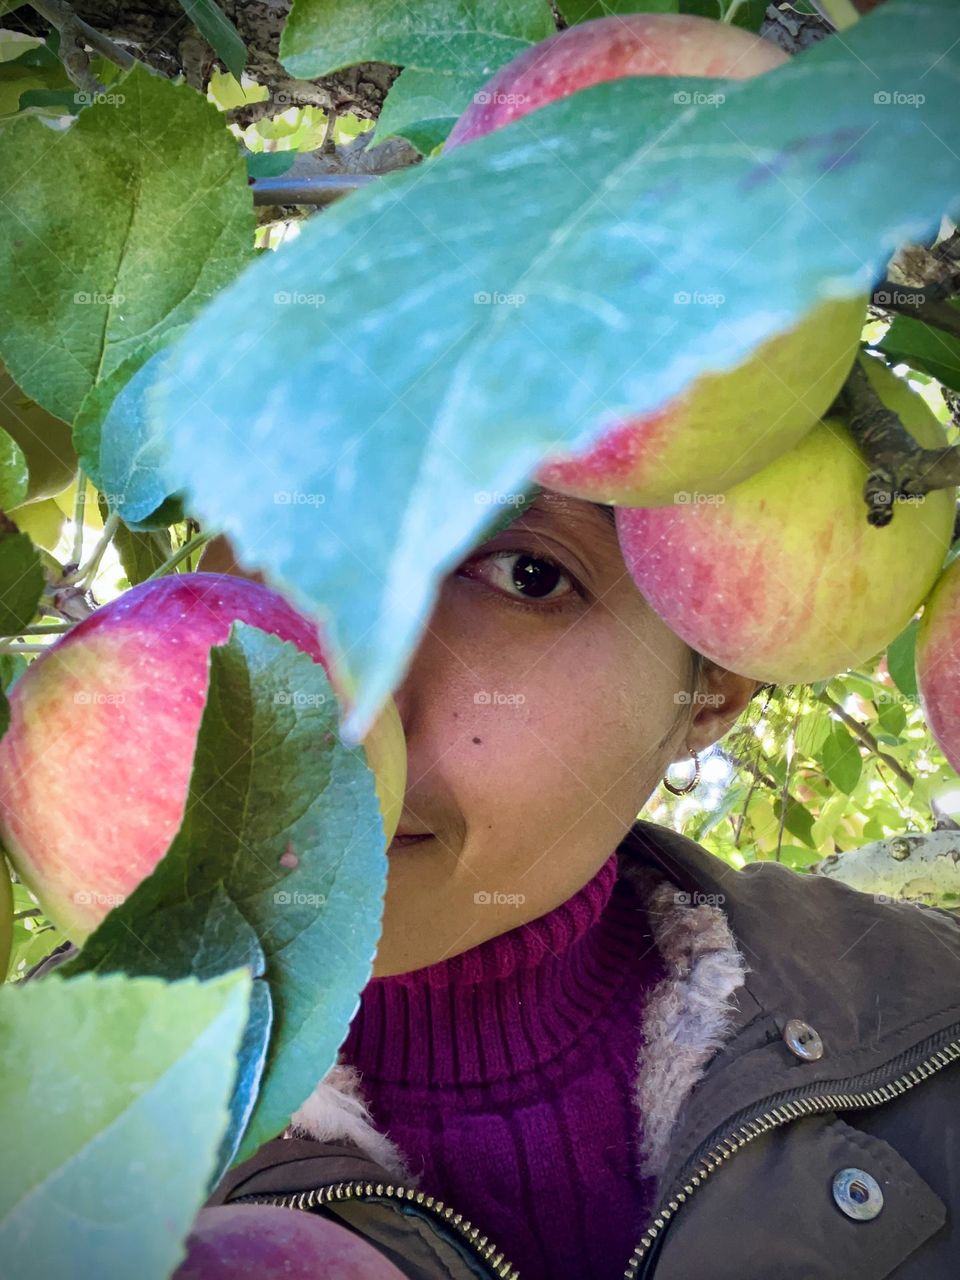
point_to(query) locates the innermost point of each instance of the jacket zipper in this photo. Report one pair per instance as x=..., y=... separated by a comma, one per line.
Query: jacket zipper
x=773, y=1119
x=360, y=1190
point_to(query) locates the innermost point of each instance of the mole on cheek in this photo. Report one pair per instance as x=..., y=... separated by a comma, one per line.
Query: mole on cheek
x=477, y=741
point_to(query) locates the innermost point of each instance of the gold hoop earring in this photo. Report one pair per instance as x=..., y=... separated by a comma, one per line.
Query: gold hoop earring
x=685, y=790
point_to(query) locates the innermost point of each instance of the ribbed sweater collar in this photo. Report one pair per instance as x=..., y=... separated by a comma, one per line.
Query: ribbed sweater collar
x=507, y=1005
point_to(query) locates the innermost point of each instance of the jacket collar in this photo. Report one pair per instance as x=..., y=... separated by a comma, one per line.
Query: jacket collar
x=688, y=1016
x=744, y=951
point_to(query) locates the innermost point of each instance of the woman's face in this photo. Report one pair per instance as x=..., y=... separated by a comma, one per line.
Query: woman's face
x=540, y=711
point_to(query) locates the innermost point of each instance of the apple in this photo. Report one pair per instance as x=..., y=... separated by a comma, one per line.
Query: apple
x=727, y=423
x=781, y=578
x=269, y=1242
x=938, y=663
x=42, y=520
x=46, y=441
x=6, y=918
x=95, y=767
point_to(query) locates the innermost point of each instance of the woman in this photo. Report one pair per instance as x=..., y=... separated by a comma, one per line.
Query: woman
x=589, y=1048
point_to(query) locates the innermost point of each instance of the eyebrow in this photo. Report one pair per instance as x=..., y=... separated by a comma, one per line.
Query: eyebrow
x=538, y=506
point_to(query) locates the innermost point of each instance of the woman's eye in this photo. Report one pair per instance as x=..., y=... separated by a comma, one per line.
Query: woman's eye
x=523, y=576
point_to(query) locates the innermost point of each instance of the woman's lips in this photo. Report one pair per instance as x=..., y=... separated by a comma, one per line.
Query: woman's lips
x=400, y=841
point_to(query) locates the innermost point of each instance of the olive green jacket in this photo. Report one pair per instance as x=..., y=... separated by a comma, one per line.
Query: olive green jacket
x=799, y=1091
x=800, y=1094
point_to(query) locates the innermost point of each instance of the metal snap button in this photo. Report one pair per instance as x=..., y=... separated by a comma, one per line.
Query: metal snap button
x=803, y=1040
x=857, y=1193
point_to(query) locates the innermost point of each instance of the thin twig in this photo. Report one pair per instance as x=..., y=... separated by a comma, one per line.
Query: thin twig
x=84, y=574
x=74, y=31
x=320, y=190
x=867, y=738
x=47, y=629
x=327, y=145
x=79, y=507
x=179, y=555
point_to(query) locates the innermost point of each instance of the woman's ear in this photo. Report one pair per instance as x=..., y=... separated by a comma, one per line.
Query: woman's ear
x=721, y=698
x=218, y=556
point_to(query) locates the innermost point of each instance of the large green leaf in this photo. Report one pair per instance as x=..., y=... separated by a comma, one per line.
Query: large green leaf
x=922, y=347
x=901, y=660
x=841, y=759
x=282, y=844
x=321, y=36
x=219, y=32
x=417, y=350
x=423, y=106
x=173, y=222
x=117, y=440
x=21, y=579
x=14, y=476
x=113, y=1102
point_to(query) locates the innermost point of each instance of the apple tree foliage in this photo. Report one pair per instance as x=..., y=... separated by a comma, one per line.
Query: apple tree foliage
x=334, y=388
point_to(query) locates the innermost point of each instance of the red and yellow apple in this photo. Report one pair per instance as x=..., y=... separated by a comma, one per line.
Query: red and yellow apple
x=727, y=423
x=95, y=767
x=782, y=578
x=46, y=441
x=938, y=663
x=269, y=1242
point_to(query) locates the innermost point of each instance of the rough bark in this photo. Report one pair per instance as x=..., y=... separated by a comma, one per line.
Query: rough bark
x=160, y=34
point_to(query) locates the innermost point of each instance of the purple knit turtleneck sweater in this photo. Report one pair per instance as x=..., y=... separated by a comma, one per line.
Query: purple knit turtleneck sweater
x=505, y=1075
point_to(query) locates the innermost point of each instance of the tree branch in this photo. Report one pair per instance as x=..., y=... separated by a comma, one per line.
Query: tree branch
x=900, y=469
x=869, y=741
x=75, y=34
x=920, y=303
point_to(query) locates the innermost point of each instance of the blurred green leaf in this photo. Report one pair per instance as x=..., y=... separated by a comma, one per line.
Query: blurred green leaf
x=174, y=223
x=219, y=32
x=474, y=403
x=282, y=842
x=21, y=580
x=901, y=660
x=114, y=1100
x=842, y=762
x=321, y=36
x=923, y=347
